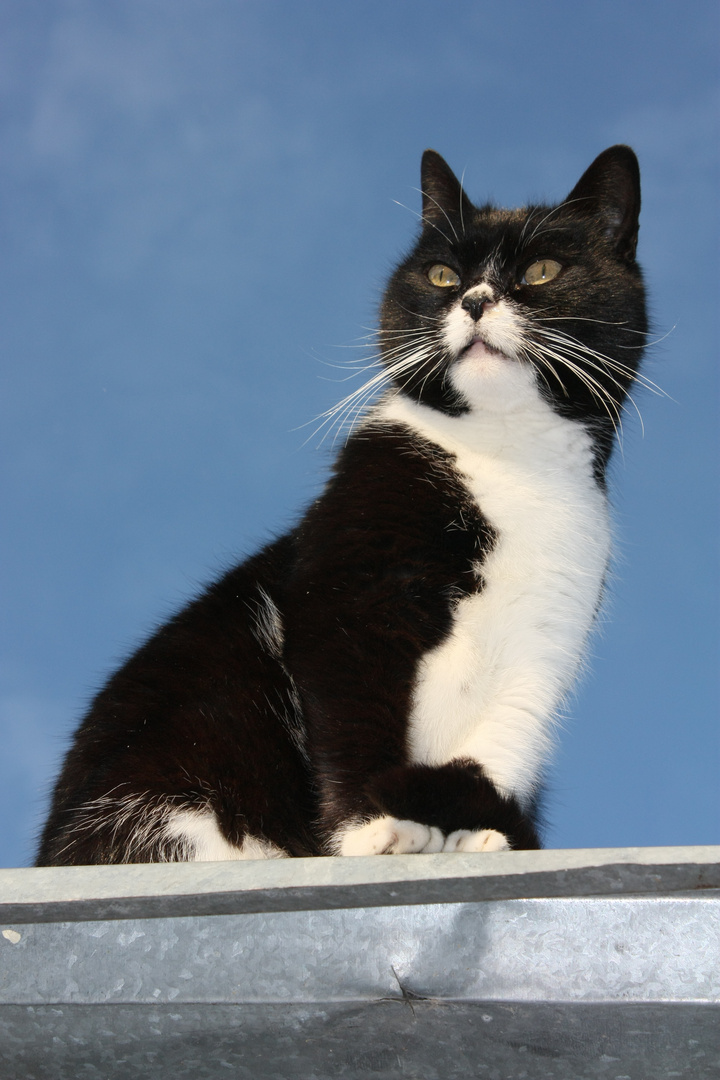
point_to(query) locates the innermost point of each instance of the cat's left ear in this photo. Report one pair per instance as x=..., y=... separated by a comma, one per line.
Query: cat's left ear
x=442, y=195
x=610, y=189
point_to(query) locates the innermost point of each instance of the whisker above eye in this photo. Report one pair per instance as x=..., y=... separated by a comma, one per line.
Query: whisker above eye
x=424, y=221
x=442, y=209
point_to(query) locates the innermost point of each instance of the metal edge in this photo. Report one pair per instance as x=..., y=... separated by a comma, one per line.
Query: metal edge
x=69, y=894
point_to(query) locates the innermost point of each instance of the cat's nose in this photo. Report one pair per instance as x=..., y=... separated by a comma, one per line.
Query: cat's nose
x=475, y=305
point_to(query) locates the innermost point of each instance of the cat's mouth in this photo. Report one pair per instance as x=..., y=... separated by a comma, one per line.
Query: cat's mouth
x=478, y=349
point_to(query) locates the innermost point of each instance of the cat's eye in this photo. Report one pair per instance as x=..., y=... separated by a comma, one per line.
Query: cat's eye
x=541, y=271
x=442, y=276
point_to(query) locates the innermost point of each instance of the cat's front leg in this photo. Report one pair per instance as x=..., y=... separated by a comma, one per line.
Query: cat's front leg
x=387, y=835
x=456, y=799
x=476, y=840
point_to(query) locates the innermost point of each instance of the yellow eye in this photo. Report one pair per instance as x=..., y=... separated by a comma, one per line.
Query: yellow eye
x=538, y=273
x=442, y=276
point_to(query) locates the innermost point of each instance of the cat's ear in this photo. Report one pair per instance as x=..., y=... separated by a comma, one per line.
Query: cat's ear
x=442, y=193
x=610, y=189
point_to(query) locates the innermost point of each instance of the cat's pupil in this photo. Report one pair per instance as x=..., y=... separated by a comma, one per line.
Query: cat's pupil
x=442, y=276
x=540, y=272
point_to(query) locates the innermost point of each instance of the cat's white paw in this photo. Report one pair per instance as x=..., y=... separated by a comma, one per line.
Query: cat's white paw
x=481, y=840
x=389, y=836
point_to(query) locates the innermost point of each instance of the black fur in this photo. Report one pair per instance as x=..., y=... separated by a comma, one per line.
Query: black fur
x=444, y=795
x=287, y=737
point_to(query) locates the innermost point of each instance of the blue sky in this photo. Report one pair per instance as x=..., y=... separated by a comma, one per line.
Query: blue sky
x=199, y=207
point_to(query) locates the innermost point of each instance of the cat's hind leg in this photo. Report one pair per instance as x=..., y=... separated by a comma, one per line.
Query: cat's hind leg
x=126, y=826
x=199, y=839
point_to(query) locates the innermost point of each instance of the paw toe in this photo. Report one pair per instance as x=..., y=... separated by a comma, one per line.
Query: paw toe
x=389, y=836
x=480, y=840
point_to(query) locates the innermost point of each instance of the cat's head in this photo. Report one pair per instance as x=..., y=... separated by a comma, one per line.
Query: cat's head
x=494, y=305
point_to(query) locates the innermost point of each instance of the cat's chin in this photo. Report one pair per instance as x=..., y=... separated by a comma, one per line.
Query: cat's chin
x=489, y=379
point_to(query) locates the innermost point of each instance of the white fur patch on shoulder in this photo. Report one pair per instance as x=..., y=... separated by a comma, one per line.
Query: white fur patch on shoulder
x=387, y=836
x=200, y=840
x=268, y=627
x=481, y=840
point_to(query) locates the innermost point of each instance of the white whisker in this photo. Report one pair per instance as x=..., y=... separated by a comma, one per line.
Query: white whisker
x=409, y=355
x=600, y=361
x=424, y=220
x=443, y=211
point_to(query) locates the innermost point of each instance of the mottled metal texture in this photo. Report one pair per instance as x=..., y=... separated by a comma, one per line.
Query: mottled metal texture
x=576, y=964
x=124, y=892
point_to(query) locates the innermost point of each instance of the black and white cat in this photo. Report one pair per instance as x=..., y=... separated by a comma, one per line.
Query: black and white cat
x=386, y=677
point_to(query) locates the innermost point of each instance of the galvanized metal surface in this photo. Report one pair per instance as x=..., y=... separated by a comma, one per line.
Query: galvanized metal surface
x=513, y=950
x=624, y=985
x=380, y=1041
x=125, y=892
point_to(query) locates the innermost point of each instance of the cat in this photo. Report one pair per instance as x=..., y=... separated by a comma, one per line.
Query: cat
x=386, y=677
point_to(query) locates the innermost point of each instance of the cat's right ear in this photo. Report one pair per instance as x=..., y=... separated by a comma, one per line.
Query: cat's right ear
x=442, y=195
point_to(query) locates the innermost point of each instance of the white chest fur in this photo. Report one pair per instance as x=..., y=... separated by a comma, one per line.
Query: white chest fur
x=492, y=690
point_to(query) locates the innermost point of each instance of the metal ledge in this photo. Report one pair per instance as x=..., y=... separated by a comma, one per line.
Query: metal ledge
x=555, y=965
x=56, y=894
